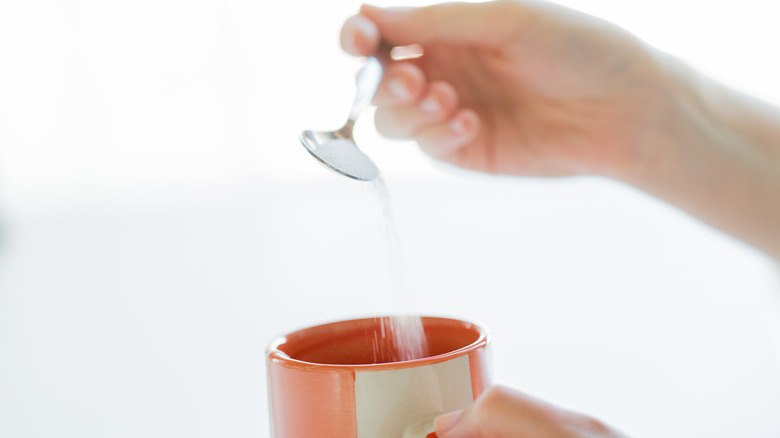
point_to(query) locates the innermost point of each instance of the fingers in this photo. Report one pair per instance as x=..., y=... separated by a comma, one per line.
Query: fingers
x=497, y=410
x=407, y=108
x=445, y=139
x=402, y=84
x=438, y=103
x=359, y=36
x=507, y=413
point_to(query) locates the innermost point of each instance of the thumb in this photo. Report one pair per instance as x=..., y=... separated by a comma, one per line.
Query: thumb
x=446, y=422
x=500, y=411
x=484, y=24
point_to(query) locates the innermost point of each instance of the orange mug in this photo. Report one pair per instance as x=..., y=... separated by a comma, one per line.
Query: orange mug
x=337, y=380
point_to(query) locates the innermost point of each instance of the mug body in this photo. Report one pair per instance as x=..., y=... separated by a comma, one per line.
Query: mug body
x=338, y=380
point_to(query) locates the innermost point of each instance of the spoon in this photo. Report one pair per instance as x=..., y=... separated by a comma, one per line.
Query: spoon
x=337, y=149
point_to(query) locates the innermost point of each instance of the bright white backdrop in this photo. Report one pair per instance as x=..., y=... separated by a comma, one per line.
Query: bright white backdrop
x=159, y=224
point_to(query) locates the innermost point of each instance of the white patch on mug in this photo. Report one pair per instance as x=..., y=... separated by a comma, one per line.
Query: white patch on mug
x=387, y=401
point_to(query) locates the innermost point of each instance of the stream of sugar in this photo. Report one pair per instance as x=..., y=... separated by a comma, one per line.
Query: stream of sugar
x=404, y=330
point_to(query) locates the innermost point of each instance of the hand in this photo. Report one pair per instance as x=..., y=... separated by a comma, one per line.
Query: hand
x=525, y=87
x=503, y=413
x=514, y=87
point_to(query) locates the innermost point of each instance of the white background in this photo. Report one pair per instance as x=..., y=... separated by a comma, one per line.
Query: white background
x=160, y=223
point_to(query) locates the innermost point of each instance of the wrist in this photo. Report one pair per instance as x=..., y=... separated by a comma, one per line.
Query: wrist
x=715, y=155
x=654, y=124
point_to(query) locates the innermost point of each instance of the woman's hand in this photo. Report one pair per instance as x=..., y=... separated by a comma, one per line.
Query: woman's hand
x=514, y=87
x=503, y=413
x=525, y=87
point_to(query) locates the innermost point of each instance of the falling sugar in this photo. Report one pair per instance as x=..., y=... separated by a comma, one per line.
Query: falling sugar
x=401, y=337
x=405, y=331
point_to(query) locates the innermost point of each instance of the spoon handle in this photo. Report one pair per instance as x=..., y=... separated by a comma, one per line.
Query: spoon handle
x=367, y=82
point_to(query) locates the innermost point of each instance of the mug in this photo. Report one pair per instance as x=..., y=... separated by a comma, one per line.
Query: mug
x=339, y=380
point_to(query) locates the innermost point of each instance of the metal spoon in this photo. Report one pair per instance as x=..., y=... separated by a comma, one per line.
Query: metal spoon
x=337, y=149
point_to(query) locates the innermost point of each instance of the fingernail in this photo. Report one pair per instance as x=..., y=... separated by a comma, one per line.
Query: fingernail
x=366, y=27
x=447, y=421
x=399, y=89
x=349, y=44
x=430, y=104
x=458, y=126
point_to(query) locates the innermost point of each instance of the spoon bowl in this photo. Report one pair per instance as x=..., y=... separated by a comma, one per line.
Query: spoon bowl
x=337, y=150
x=340, y=154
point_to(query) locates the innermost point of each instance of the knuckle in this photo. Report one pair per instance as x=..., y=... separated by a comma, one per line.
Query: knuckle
x=490, y=404
x=445, y=92
x=494, y=397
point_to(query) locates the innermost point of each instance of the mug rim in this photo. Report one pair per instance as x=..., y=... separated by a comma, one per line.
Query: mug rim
x=275, y=354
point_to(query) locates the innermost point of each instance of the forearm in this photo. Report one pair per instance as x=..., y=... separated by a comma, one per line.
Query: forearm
x=719, y=159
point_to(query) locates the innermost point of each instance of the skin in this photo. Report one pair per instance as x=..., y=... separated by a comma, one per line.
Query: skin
x=501, y=412
x=530, y=88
